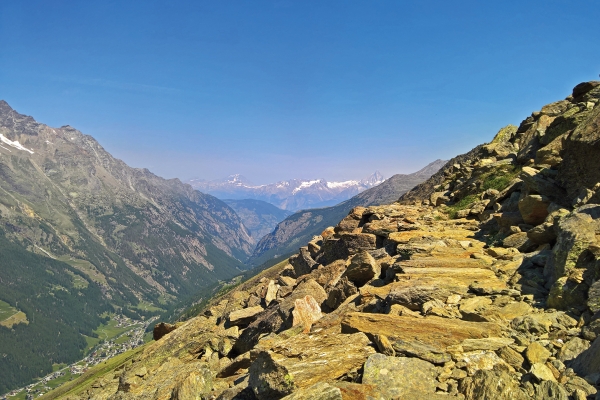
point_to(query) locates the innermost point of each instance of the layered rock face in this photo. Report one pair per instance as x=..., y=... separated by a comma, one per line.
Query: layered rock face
x=482, y=283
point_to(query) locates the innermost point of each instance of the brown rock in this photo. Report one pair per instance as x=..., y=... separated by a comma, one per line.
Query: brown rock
x=396, y=377
x=318, y=391
x=286, y=281
x=362, y=269
x=542, y=373
x=271, y=294
x=588, y=362
x=383, y=345
x=519, y=241
x=536, y=353
x=162, y=329
x=245, y=316
x=512, y=357
x=439, y=333
x=304, y=360
x=340, y=292
x=534, y=208
x=302, y=262
x=572, y=349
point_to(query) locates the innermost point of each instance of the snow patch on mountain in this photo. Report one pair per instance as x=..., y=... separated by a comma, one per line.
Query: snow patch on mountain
x=14, y=144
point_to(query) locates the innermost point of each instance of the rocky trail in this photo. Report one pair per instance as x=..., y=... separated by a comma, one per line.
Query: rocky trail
x=482, y=283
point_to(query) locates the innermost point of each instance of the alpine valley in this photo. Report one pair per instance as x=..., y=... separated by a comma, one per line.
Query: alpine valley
x=84, y=236
x=483, y=282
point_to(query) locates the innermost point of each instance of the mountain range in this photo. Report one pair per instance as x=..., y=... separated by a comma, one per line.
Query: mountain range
x=82, y=234
x=301, y=226
x=481, y=283
x=292, y=195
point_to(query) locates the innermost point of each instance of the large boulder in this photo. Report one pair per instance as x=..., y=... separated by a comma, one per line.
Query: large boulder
x=396, y=377
x=161, y=329
x=497, y=383
x=244, y=316
x=302, y=262
x=534, y=208
x=304, y=360
x=588, y=362
x=306, y=312
x=362, y=269
x=581, y=164
x=576, y=232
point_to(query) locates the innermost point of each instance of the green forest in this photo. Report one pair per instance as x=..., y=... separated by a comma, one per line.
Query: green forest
x=57, y=311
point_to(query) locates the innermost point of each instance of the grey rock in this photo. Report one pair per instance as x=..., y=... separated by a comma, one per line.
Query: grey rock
x=497, y=384
x=550, y=390
x=588, y=362
x=318, y=391
x=302, y=262
x=572, y=349
x=397, y=376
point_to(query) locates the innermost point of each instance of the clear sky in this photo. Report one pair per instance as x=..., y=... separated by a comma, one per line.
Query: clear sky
x=291, y=89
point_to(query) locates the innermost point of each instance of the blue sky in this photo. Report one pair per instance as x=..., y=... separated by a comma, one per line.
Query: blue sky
x=291, y=89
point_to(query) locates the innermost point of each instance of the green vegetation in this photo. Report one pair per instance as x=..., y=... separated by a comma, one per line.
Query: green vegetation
x=497, y=179
x=36, y=346
x=500, y=178
x=145, y=307
x=463, y=204
x=6, y=310
x=110, y=330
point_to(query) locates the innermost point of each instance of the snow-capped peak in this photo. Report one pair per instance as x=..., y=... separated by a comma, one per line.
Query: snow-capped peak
x=293, y=194
x=305, y=185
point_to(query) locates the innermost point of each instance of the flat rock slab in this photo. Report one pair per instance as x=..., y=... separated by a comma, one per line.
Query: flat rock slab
x=318, y=391
x=437, y=333
x=440, y=233
x=441, y=262
x=244, y=316
x=394, y=377
x=306, y=359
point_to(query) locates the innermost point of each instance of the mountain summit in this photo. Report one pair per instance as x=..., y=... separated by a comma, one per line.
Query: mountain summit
x=291, y=195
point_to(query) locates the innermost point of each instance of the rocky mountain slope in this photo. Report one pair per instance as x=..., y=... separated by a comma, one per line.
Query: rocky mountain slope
x=484, y=285
x=292, y=195
x=258, y=216
x=300, y=227
x=98, y=232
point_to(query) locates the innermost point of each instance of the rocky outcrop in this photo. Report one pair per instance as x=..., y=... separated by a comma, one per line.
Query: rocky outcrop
x=487, y=290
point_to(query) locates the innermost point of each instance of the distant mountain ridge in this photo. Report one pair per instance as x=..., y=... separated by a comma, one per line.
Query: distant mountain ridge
x=303, y=225
x=292, y=195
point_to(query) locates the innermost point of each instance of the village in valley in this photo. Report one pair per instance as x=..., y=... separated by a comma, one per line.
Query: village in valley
x=118, y=336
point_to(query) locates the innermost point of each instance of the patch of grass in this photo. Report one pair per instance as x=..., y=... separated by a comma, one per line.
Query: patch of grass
x=91, y=342
x=86, y=267
x=10, y=316
x=110, y=330
x=463, y=204
x=6, y=310
x=500, y=178
x=122, y=339
x=146, y=306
